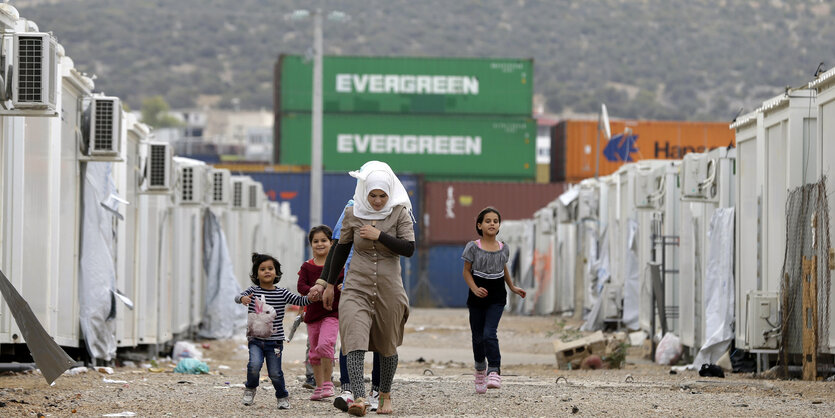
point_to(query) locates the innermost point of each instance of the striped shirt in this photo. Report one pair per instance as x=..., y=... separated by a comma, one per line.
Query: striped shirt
x=278, y=298
x=486, y=264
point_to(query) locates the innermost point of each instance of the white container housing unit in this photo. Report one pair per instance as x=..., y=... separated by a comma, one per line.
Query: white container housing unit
x=188, y=287
x=657, y=197
x=707, y=184
x=748, y=269
x=30, y=160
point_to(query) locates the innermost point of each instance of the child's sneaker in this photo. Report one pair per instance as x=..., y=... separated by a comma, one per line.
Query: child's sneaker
x=284, y=403
x=480, y=381
x=249, y=396
x=494, y=381
x=317, y=394
x=327, y=390
x=373, y=400
x=309, y=382
x=343, y=401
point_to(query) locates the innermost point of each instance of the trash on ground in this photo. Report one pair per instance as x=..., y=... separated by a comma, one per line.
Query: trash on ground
x=669, y=350
x=121, y=414
x=191, y=366
x=711, y=370
x=636, y=339
x=106, y=380
x=185, y=349
x=106, y=370
x=223, y=367
x=76, y=370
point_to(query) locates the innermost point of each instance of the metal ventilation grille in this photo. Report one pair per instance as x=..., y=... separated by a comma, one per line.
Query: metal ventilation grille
x=237, y=198
x=217, y=187
x=188, y=184
x=158, y=165
x=103, y=129
x=53, y=69
x=252, y=196
x=29, y=68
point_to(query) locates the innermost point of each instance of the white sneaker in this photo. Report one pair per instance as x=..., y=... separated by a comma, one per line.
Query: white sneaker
x=373, y=400
x=343, y=401
x=284, y=403
x=249, y=396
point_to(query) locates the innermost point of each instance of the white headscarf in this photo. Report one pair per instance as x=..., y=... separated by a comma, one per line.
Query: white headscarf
x=378, y=175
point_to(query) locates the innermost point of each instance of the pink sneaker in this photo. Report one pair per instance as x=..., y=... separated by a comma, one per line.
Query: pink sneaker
x=480, y=381
x=494, y=381
x=317, y=394
x=327, y=390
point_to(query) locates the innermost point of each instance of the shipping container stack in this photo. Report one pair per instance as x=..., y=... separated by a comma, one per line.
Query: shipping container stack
x=578, y=152
x=458, y=131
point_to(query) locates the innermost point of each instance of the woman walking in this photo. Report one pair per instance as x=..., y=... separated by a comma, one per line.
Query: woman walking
x=373, y=307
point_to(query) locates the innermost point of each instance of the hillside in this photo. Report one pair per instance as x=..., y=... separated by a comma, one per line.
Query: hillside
x=662, y=59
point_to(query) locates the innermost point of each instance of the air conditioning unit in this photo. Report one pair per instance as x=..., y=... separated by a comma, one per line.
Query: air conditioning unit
x=221, y=183
x=698, y=177
x=240, y=192
x=255, y=196
x=158, y=161
x=649, y=187
x=763, y=321
x=101, y=126
x=34, y=72
x=192, y=184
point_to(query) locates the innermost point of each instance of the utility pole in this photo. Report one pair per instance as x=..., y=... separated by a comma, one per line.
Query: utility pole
x=316, y=129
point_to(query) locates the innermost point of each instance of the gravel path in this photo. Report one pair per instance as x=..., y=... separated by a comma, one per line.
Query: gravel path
x=426, y=385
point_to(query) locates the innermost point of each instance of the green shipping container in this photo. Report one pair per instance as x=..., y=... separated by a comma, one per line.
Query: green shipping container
x=409, y=85
x=453, y=147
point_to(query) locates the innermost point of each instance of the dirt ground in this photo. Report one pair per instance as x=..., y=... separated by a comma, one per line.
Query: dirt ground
x=434, y=379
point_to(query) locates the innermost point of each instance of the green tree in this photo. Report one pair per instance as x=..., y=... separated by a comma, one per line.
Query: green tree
x=155, y=113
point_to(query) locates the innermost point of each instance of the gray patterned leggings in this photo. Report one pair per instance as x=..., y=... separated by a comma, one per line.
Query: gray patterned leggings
x=356, y=369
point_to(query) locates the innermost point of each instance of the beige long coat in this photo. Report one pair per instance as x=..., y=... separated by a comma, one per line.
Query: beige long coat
x=374, y=307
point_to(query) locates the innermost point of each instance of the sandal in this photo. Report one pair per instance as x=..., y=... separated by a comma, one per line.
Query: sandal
x=385, y=401
x=357, y=408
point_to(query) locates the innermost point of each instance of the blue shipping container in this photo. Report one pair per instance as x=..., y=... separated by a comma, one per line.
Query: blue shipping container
x=445, y=283
x=337, y=188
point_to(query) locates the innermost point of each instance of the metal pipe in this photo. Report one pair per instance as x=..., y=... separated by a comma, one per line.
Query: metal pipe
x=17, y=367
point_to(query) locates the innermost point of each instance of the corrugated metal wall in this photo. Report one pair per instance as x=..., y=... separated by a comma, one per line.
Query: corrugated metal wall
x=451, y=207
x=446, y=286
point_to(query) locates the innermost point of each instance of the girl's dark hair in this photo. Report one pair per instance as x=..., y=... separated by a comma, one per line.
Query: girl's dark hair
x=257, y=259
x=321, y=228
x=481, y=216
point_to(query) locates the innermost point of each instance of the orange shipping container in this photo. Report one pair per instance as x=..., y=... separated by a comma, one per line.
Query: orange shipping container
x=574, y=144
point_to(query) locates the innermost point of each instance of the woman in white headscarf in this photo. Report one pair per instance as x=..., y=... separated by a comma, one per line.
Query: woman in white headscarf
x=373, y=307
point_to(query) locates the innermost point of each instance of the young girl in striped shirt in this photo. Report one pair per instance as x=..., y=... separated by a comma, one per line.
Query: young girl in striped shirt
x=266, y=272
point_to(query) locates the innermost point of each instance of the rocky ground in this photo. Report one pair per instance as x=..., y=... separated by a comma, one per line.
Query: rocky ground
x=434, y=379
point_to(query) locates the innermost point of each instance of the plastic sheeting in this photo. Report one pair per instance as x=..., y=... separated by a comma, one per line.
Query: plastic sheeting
x=519, y=236
x=631, y=281
x=718, y=289
x=49, y=357
x=222, y=317
x=600, y=268
x=97, y=270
